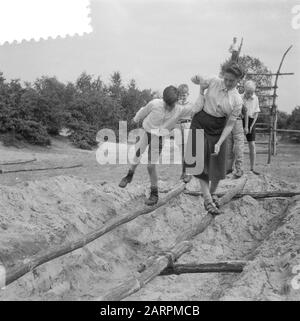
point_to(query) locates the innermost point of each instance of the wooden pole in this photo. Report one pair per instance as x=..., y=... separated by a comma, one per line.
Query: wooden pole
x=256, y=195
x=274, y=107
x=133, y=285
x=156, y=264
x=199, y=226
x=52, y=253
x=38, y=169
x=16, y=162
x=219, y=267
x=271, y=74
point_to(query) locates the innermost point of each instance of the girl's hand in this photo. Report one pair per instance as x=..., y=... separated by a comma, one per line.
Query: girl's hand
x=217, y=149
x=250, y=130
x=246, y=131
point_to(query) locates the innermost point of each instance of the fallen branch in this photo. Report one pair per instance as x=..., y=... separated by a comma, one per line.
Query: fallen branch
x=156, y=264
x=38, y=169
x=16, y=162
x=29, y=264
x=219, y=267
x=252, y=194
x=135, y=284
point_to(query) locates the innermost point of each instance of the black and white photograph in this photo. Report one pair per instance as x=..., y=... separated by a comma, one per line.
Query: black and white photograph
x=149, y=152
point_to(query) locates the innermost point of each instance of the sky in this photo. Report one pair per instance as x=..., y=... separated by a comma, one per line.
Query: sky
x=163, y=42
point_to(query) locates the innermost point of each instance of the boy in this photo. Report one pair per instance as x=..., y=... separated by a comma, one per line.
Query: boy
x=183, y=94
x=252, y=109
x=159, y=117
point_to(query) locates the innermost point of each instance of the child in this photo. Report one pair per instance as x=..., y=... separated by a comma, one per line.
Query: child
x=159, y=117
x=183, y=94
x=251, y=104
x=234, y=50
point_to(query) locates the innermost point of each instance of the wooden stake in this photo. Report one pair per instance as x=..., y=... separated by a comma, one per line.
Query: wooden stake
x=256, y=195
x=219, y=267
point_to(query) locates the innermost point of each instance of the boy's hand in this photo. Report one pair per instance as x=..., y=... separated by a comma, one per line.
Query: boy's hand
x=133, y=123
x=246, y=131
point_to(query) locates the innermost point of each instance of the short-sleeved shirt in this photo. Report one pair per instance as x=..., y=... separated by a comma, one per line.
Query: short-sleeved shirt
x=159, y=121
x=186, y=104
x=251, y=104
x=220, y=102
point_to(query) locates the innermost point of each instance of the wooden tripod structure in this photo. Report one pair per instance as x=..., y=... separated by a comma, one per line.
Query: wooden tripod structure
x=273, y=110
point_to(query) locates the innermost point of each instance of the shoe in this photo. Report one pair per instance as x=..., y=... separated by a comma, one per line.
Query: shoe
x=211, y=208
x=216, y=200
x=185, y=178
x=229, y=171
x=254, y=172
x=126, y=180
x=153, y=198
x=238, y=174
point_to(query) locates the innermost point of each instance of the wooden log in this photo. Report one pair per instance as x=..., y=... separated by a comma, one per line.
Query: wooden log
x=265, y=87
x=38, y=169
x=200, y=226
x=256, y=195
x=158, y=265
x=52, y=253
x=271, y=74
x=219, y=267
x=266, y=96
x=16, y=162
x=288, y=131
x=155, y=265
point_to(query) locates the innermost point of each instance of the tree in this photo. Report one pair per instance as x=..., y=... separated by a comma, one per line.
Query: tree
x=294, y=119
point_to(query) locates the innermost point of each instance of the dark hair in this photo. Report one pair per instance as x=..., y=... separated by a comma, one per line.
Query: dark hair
x=235, y=70
x=170, y=95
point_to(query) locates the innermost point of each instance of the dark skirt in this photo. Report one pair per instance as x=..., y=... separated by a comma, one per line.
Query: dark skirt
x=214, y=166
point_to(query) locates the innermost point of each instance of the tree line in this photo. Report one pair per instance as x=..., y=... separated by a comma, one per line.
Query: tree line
x=35, y=112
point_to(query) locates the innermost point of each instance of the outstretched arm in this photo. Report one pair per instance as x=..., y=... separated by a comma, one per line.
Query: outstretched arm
x=143, y=112
x=229, y=125
x=192, y=109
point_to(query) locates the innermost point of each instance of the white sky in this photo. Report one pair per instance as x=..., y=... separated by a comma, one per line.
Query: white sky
x=162, y=42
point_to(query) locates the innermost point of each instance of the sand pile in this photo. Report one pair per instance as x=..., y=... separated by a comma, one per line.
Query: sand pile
x=37, y=215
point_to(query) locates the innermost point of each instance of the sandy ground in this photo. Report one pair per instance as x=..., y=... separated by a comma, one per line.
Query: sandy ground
x=39, y=210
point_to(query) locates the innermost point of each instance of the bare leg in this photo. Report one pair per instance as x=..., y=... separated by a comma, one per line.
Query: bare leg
x=252, y=155
x=140, y=149
x=213, y=186
x=205, y=190
x=230, y=155
x=152, y=174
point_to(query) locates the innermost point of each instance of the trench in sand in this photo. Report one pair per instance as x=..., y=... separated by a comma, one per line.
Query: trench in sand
x=39, y=214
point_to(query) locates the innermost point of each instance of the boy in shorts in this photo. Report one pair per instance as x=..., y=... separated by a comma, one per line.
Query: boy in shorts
x=251, y=104
x=159, y=118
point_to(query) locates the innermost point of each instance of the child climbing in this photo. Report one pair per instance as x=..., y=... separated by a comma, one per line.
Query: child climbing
x=159, y=118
